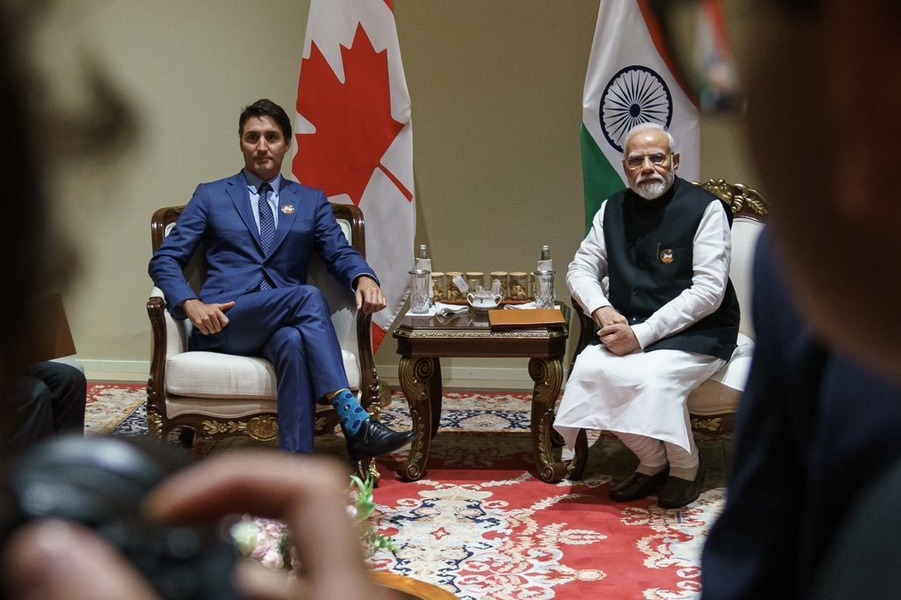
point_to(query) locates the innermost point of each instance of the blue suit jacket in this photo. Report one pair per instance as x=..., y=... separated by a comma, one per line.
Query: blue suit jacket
x=220, y=219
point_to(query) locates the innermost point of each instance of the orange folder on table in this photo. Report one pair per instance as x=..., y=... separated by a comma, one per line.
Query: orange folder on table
x=526, y=318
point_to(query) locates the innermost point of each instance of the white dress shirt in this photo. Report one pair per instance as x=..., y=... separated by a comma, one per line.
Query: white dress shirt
x=711, y=258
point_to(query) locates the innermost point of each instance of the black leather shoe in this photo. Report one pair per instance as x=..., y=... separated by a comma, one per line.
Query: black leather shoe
x=638, y=486
x=679, y=492
x=374, y=439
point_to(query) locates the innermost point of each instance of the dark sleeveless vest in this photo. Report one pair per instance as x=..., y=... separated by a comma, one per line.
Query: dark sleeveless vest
x=650, y=253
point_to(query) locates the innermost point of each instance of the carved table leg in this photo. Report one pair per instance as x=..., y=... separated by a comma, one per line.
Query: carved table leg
x=548, y=377
x=417, y=380
x=437, y=392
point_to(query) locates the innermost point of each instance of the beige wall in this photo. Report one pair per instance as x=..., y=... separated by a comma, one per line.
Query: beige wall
x=496, y=91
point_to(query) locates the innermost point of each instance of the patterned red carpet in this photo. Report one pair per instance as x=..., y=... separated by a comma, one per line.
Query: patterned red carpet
x=110, y=404
x=481, y=525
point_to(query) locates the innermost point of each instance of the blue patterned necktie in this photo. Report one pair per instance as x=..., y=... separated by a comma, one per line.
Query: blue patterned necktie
x=267, y=221
x=267, y=225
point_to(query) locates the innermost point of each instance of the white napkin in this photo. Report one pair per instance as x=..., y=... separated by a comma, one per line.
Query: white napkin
x=525, y=305
x=443, y=309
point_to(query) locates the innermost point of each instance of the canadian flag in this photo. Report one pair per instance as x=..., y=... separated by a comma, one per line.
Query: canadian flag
x=355, y=136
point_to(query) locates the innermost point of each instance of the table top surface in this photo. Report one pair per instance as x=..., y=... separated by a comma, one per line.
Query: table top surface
x=474, y=322
x=469, y=335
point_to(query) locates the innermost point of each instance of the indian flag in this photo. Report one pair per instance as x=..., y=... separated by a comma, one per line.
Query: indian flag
x=630, y=81
x=355, y=133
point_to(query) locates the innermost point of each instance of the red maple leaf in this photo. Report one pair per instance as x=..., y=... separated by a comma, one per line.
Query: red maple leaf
x=352, y=120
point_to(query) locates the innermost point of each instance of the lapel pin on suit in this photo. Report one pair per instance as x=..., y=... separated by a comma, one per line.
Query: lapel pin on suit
x=288, y=209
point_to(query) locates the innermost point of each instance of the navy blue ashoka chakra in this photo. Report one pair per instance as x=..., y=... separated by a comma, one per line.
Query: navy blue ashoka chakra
x=635, y=95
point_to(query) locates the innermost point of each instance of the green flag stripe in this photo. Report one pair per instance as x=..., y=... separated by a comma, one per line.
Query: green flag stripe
x=601, y=178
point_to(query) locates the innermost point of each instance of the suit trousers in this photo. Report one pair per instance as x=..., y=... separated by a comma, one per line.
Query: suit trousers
x=47, y=398
x=291, y=327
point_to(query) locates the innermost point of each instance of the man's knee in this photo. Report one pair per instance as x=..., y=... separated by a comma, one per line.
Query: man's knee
x=317, y=297
x=308, y=293
x=32, y=410
x=303, y=301
x=285, y=339
x=593, y=361
x=27, y=393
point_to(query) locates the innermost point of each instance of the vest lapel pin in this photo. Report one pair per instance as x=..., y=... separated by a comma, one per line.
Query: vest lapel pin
x=666, y=256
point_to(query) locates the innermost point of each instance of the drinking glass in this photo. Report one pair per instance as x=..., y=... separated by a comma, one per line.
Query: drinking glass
x=420, y=295
x=544, y=296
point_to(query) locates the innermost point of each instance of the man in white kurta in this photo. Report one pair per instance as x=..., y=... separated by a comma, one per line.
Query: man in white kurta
x=668, y=321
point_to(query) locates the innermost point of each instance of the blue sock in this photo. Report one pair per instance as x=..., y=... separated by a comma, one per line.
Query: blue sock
x=351, y=413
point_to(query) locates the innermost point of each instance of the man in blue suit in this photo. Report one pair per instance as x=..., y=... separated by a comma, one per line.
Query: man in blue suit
x=256, y=300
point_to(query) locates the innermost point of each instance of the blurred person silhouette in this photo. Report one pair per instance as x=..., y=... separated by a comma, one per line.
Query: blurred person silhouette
x=54, y=559
x=36, y=400
x=815, y=479
x=815, y=429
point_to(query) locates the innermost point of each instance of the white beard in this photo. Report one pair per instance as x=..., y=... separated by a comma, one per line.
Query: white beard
x=654, y=188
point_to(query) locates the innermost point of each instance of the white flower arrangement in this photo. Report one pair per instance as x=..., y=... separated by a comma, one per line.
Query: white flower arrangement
x=269, y=540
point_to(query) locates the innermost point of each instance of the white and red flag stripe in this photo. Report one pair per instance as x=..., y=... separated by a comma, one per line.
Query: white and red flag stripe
x=354, y=132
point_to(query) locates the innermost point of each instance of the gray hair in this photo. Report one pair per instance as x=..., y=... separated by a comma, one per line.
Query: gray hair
x=649, y=126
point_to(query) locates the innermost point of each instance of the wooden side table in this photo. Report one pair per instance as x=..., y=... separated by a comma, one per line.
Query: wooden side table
x=423, y=340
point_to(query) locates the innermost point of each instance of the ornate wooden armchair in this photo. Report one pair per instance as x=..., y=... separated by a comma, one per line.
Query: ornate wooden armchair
x=711, y=405
x=217, y=395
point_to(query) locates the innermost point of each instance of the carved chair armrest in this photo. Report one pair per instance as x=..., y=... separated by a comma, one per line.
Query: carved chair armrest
x=369, y=378
x=587, y=330
x=156, y=394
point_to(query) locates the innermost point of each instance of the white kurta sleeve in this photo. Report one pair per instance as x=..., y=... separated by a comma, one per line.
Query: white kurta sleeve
x=589, y=267
x=712, y=254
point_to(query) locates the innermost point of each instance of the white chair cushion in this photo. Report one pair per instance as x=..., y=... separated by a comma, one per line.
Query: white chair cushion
x=216, y=375
x=721, y=393
x=176, y=331
x=744, y=241
x=211, y=375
